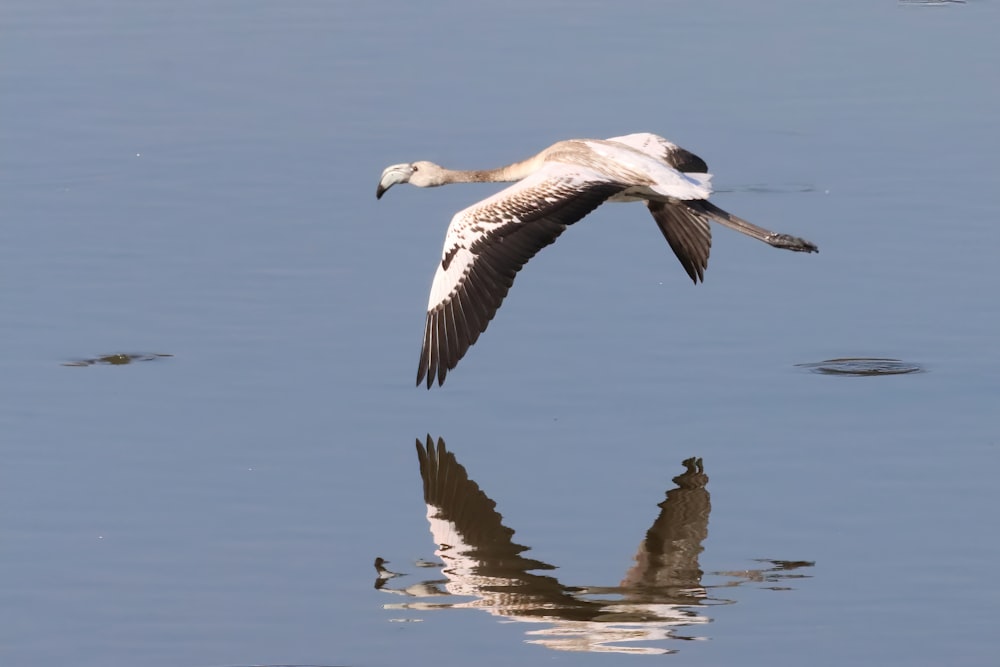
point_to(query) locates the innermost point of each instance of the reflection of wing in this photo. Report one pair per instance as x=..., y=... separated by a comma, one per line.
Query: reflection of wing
x=668, y=557
x=481, y=560
x=463, y=519
x=482, y=563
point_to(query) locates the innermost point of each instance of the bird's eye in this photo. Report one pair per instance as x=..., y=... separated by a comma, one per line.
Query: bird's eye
x=414, y=167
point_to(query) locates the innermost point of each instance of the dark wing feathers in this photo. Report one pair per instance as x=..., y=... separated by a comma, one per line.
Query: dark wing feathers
x=503, y=234
x=688, y=234
x=684, y=160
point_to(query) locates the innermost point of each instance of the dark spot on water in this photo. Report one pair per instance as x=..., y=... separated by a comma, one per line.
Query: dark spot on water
x=787, y=564
x=862, y=366
x=119, y=359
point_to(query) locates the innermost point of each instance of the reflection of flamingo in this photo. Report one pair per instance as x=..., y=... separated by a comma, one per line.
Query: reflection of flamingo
x=489, y=242
x=481, y=561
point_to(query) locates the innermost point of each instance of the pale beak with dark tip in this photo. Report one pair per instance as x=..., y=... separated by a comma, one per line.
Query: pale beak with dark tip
x=397, y=173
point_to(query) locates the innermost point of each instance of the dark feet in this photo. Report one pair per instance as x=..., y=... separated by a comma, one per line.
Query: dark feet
x=789, y=242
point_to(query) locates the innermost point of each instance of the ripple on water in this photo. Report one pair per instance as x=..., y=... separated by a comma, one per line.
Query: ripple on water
x=862, y=366
x=783, y=188
x=932, y=3
x=119, y=359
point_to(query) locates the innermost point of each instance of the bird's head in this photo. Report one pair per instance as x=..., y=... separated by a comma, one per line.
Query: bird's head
x=423, y=174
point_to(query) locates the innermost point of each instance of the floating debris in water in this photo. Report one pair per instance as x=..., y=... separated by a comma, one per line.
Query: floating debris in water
x=116, y=359
x=862, y=366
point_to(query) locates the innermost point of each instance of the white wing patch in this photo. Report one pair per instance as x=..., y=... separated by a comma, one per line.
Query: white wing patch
x=670, y=153
x=445, y=279
x=488, y=243
x=660, y=177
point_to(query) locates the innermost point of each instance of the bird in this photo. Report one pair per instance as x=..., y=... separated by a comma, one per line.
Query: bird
x=383, y=574
x=382, y=571
x=489, y=242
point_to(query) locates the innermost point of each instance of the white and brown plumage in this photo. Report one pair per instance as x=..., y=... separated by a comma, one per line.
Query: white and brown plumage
x=488, y=243
x=481, y=563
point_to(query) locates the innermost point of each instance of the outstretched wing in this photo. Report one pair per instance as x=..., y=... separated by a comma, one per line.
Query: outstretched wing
x=488, y=243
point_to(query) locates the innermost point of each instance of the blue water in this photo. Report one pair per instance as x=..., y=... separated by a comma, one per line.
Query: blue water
x=197, y=179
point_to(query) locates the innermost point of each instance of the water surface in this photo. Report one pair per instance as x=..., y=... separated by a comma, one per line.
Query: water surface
x=197, y=179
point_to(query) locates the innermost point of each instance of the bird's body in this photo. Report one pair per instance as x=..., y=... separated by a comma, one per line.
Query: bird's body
x=488, y=243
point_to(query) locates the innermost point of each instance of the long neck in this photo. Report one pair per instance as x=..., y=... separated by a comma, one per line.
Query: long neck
x=507, y=174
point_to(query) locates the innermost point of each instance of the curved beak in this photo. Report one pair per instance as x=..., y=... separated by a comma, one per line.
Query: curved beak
x=397, y=173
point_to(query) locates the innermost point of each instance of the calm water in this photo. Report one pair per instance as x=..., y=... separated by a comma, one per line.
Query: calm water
x=197, y=179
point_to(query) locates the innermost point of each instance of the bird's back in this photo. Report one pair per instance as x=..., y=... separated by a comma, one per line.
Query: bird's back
x=627, y=163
